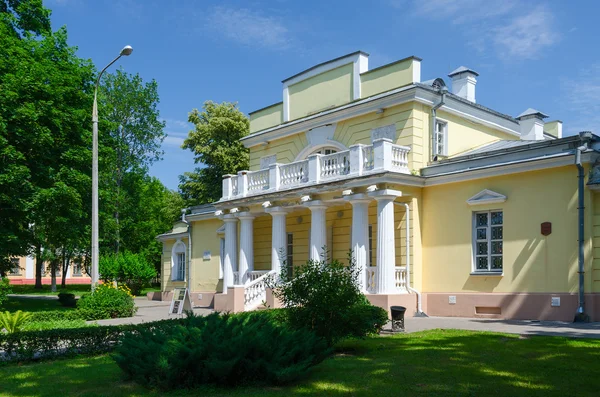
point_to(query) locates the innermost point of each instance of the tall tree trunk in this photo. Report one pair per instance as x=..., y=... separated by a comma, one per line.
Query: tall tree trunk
x=39, y=266
x=65, y=268
x=53, y=268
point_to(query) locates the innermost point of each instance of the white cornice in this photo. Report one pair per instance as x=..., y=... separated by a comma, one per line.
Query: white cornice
x=173, y=236
x=385, y=100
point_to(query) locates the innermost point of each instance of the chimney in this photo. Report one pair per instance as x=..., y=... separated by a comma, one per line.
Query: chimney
x=463, y=83
x=532, y=125
x=554, y=128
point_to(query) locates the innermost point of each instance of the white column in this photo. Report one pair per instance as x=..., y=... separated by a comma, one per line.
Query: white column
x=318, y=236
x=246, y=261
x=386, y=243
x=360, y=235
x=229, y=263
x=278, y=238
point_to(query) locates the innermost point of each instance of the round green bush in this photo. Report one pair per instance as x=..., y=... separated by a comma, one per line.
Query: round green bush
x=67, y=299
x=107, y=302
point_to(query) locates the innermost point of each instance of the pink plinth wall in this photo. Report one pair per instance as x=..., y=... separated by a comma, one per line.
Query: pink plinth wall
x=48, y=281
x=232, y=301
x=207, y=299
x=272, y=301
x=409, y=301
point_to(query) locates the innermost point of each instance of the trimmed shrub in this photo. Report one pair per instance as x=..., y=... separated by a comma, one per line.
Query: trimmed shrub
x=57, y=315
x=48, y=344
x=107, y=302
x=5, y=289
x=55, y=324
x=132, y=270
x=225, y=350
x=67, y=299
x=325, y=297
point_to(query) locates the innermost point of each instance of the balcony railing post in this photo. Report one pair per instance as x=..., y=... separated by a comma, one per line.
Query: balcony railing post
x=274, y=176
x=314, y=168
x=356, y=159
x=227, y=186
x=382, y=154
x=242, y=183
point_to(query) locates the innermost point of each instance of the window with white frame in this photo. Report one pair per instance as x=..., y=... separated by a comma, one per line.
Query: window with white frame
x=15, y=269
x=440, y=138
x=179, y=262
x=325, y=151
x=289, y=260
x=487, y=241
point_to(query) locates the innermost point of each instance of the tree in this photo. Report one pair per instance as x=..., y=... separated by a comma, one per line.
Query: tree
x=216, y=144
x=25, y=16
x=133, y=131
x=45, y=97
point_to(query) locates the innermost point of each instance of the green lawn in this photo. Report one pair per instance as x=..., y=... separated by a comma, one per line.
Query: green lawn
x=431, y=363
x=45, y=290
x=14, y=303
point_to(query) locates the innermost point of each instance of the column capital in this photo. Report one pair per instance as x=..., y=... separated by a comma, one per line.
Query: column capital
x=276, y=210
x=358, y=198
x=315, y=204
x=245, y=215
x=385, y=194
x=229, y=218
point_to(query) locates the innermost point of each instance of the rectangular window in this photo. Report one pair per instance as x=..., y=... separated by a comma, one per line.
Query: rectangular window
x=77, y=269
x=371, y=245
x=440, y=138
x=487, y=241
x=181, y=266
x=15, y=269
x=289, y=261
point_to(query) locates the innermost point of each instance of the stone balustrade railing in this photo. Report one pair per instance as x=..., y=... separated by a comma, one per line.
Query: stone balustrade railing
x=359, y=160
x=400, y=279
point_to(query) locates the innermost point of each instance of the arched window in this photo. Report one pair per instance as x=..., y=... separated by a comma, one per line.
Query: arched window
x=325, y=150
x=328, y=148
x=178, y=261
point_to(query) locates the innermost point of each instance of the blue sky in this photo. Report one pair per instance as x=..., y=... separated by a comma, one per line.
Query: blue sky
x=528, y=53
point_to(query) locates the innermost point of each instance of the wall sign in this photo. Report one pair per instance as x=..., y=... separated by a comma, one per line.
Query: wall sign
x=180, y=301
x=546, y=228
x=206, y=256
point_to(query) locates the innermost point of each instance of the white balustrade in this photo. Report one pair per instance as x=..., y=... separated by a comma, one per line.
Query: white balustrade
x=258, y=180
x=400, y=157
x=368, y=162
x=255, y=291
x=253, y=275
x=335, y=165
x=293, y=173
x=236, y=278
x=400, y=276
x=234, y=185
x=371, y=279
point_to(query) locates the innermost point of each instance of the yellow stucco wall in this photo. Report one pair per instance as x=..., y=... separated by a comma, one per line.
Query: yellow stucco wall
x=205, y=273
x=267, y=117
x=595, y=276
x=286, y=150
x=262, y=242
x=323, y=91
x=532, y=262
x=387, y=77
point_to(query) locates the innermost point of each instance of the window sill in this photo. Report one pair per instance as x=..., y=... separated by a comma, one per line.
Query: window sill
x=494, y=274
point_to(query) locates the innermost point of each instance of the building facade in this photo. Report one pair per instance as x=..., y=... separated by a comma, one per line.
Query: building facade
x=23, y=272
x=449, y=208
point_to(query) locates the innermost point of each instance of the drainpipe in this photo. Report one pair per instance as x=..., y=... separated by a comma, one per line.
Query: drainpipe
x=189, y=261
x=408, y=287
x=443, y=91
x=585, y=137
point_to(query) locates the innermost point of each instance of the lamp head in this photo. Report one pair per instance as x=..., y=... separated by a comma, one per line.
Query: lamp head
x=127, y=50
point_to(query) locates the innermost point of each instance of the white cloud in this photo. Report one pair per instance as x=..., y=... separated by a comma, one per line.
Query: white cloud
x=173, y=140
x=178, y=124
x=582, y=94
x=248, y=27
x=513, y=29
x=527, y=35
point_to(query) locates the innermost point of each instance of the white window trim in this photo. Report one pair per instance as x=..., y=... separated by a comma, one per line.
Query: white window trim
x=445, y=138
x=175, y=272
x=489, y=270
x=307, y=151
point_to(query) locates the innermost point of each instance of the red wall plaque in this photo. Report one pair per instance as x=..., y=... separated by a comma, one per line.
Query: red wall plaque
x=546, y=228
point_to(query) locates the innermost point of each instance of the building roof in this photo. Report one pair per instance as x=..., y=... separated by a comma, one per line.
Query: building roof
x=325, y=63
x=532, y=112
x=462, y=69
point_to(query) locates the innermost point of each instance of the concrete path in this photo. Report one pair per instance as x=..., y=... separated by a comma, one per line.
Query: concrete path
x=149, y=311
x=549, y=328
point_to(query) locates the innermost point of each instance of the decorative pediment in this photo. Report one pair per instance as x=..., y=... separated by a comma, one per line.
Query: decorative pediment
x=486, y=197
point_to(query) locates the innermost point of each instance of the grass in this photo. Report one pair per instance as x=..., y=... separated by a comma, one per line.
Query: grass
x=77, y=289
x=430, y=363
x=14, y=303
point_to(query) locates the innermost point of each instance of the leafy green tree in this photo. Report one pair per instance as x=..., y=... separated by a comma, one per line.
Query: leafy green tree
x=25, y=16
x=216, y=144
x=132, y=133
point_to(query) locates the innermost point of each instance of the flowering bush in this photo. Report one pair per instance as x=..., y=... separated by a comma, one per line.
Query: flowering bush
x=107, y=302
x=127, y=268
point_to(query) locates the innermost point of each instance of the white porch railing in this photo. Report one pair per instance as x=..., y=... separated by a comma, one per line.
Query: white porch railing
x=255, y=291
x=252, y=275
x=399, y=278
x=381, y=156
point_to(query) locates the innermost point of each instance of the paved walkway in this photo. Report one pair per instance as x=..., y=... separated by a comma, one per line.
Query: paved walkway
x=149, y=311
x=550, y=328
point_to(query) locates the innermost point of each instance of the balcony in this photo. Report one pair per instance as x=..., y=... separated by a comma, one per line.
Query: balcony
x=359, y=160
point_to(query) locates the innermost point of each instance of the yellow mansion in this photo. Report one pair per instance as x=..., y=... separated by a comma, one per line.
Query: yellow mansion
x=449, y=208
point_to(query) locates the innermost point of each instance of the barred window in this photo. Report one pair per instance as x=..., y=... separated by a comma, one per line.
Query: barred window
x=487, y=241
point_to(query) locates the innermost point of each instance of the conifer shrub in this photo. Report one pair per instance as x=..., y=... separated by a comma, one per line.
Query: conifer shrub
x=220, y=349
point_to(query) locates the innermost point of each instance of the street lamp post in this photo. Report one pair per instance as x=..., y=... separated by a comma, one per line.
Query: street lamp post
x=127, y=50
